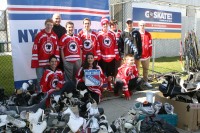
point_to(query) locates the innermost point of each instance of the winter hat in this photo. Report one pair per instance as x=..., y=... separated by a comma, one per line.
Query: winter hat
x=104, y=20
x=129, y=20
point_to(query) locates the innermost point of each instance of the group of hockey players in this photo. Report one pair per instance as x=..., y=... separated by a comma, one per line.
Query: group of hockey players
x=60, y=57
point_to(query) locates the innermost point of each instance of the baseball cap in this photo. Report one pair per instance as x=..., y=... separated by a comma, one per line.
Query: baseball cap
x=129, y=20
x=104, y=20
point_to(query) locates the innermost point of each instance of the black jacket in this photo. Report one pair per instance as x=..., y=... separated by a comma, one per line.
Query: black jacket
x=135, y=38
x=59, y=30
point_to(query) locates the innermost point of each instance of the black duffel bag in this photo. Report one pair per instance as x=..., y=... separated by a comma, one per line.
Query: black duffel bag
x=170, y=86
x=153, y=124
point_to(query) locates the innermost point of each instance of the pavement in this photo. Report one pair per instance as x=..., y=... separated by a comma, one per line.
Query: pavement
x=115, y=107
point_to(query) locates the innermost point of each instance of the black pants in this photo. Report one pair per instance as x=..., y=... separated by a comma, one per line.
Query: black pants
x=132, y=85
x=95, y=96
x=68, y=87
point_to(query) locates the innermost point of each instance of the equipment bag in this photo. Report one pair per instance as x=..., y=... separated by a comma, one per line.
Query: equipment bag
x=153, y=124
x=170, y=86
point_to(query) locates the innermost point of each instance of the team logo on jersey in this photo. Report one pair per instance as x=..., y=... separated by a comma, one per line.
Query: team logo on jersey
x=107, y=42
x=54, y=83
x=87, y=45
x=48, y=48
x=73, y=48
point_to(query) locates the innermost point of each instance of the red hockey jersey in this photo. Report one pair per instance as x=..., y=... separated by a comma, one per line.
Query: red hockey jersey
x=51, y=79
x=126, y=73
x=146, y=45
x=90, y=44
x=108, y=46
x=45, y=45
x=96, y=89
x=71, y=47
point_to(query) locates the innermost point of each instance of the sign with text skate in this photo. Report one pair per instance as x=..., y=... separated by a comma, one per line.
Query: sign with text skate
x=92, y=77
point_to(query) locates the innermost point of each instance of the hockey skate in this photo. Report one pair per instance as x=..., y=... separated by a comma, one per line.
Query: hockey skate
x=34, y=117
x=16, y=122
x=38, y=127
x=74, y=122
x=55, y=120
x=3, y=120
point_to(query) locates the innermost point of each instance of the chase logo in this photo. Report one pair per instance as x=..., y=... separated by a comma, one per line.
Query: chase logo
x=107, y=42
x=48, y=48
x=73, y=47
x=87, y=45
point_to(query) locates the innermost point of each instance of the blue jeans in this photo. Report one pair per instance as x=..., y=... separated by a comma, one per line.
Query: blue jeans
x=39, y=73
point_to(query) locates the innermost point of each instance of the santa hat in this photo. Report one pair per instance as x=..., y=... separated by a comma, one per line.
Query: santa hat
x=104, y=20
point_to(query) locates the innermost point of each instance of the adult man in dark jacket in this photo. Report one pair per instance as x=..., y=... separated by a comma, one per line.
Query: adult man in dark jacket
x=59, y=30
x=130, y=42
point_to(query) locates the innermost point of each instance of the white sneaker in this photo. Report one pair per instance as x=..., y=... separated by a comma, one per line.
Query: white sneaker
x=16, y=122
x=147, y=84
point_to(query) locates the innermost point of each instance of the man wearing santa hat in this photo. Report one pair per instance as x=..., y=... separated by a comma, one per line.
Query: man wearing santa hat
x=109, y=51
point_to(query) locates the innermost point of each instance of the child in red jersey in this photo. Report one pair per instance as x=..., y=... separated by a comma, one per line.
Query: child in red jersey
x=127, y=77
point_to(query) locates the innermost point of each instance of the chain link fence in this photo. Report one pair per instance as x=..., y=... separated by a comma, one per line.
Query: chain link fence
x=6, y=66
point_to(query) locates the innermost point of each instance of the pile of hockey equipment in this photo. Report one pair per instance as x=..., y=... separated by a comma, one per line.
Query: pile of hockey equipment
x=66, y=113
x=182, y=90
x=144, y=118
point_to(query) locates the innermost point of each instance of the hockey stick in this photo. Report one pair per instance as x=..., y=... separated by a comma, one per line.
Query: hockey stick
x=181, y=55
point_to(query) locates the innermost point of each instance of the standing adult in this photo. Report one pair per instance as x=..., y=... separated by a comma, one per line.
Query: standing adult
x=117, y=32
x=146, y=51
x=109, y=51
x=130, y=42
x=57, y=27
x=45, y=45
x=59, y=30
x=89, y=40
x=70, y=52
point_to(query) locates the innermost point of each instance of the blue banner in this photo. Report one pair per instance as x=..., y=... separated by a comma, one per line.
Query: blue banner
x=154, y=15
